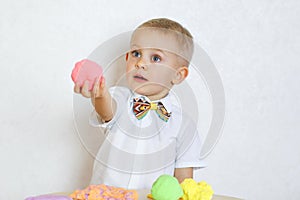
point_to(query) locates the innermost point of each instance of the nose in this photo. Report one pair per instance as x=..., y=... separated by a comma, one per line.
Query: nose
x=141, y=64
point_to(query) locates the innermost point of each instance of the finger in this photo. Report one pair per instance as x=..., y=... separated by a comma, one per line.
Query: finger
x=102, y=82
x=77, y=88
x=85, y=89
x=102, y=88
x=96, y=87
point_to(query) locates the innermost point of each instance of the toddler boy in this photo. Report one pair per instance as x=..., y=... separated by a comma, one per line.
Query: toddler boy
x=147, y=133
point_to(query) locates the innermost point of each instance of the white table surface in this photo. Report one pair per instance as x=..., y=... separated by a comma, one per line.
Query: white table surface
x=143, y=195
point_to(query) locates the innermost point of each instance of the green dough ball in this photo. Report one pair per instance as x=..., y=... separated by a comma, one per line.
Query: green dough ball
x=166, y=187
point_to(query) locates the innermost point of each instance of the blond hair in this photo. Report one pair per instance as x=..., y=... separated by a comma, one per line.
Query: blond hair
x=184, y=37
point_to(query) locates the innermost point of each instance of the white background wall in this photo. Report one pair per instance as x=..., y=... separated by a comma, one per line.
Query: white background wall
x=254, y=45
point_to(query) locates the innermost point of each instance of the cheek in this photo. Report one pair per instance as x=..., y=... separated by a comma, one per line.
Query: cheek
x=128, y=67
x=163, y=75
x=162, y=79
x=130, y=63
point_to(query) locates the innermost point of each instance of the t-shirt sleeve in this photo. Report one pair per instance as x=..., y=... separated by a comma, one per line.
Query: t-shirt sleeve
x=189, y=147
x=120, y=95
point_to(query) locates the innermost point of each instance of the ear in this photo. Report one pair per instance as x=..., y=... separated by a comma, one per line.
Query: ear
x=180, y=75
x=126, y=56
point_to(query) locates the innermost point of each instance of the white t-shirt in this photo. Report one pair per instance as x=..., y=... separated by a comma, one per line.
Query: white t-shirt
x=136, y=152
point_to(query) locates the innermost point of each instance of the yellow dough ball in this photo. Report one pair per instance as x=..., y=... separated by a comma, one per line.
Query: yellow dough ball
x=196, y=191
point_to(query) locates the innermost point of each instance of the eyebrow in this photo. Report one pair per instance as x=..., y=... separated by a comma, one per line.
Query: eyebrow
x=134, y=45
x=156, y=49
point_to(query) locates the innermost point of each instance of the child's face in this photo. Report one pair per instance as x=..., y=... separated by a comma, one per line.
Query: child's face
x=151, y=68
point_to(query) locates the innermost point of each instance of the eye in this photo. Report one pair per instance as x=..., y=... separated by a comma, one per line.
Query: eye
x=136, y=54
x=156, y=58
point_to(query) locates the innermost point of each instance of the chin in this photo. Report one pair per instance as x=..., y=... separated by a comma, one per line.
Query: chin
x=140, y=91
x=147, y=89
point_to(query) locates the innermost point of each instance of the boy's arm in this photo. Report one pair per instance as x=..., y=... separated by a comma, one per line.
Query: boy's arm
x=183, y=173
x=101, y=99
x=103, y=102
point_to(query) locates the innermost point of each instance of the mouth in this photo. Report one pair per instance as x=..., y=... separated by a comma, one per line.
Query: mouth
x=139, y=78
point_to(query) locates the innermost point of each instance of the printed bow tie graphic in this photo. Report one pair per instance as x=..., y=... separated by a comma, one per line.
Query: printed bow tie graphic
x=141, y=107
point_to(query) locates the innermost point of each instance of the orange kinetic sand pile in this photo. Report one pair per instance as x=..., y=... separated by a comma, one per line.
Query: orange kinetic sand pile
x=104, y=192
